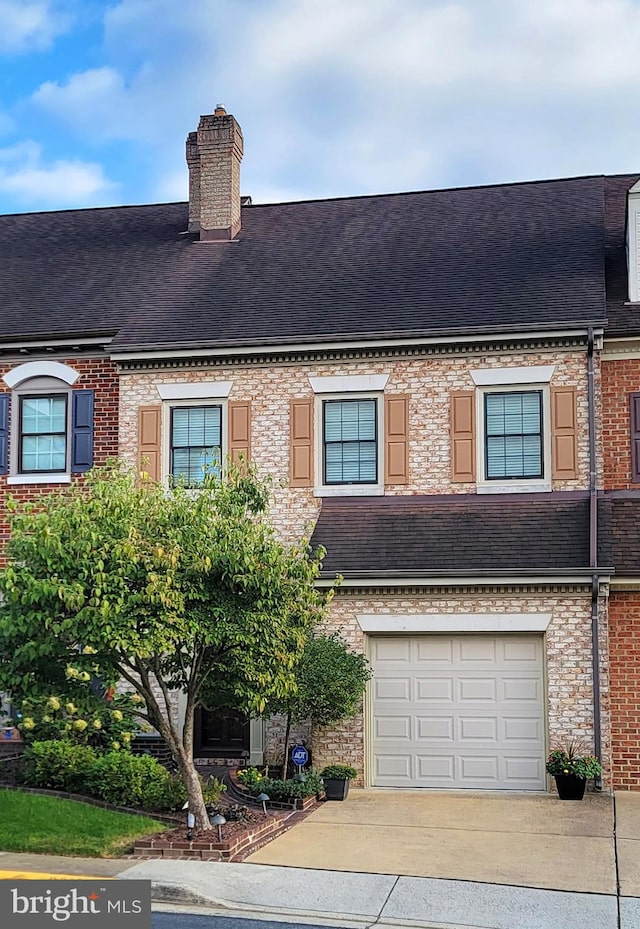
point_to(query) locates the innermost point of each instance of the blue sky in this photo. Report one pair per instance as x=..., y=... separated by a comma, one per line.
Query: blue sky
x=335, y=97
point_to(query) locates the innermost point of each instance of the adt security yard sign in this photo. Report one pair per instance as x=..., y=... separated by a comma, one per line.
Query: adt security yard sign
x=299, y=755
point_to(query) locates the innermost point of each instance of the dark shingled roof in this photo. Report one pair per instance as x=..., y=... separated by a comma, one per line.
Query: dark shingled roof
x=624, y=520
x=623, y=320
x=457, y=534
x=512, y=257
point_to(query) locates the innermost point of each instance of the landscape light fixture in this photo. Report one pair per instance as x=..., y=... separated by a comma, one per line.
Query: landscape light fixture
x=191, y=821
x=219, y=821
x=263, y=799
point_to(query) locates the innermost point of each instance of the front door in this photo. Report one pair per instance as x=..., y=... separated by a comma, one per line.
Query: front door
x=221, y=732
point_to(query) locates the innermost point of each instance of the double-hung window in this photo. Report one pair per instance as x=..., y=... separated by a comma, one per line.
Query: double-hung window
x=513, y=435
x=350, y=441
x=43, y=434
x=196, y=443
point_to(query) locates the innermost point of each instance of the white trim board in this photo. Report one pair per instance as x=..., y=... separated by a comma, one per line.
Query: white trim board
x=532, y=374
x=346, y=383
x=455, y=622
x=202, y=390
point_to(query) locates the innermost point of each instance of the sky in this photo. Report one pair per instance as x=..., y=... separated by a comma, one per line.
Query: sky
x=334, y=97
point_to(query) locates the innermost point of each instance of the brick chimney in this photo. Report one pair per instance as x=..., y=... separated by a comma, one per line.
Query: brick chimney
x=214, y=153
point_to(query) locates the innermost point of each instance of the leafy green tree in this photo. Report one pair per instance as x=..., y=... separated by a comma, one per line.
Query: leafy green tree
x=165, y=591
x=330, y=682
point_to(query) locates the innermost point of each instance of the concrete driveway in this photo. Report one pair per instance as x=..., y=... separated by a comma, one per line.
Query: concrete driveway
x=522, y=840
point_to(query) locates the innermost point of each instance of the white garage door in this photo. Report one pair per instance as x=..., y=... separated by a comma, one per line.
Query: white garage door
x=458, y=711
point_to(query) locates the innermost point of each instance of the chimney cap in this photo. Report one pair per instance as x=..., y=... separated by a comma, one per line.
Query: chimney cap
x=219, y=110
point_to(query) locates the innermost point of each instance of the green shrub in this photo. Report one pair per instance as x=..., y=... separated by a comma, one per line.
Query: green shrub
x=169, y=794
x=85, y=719
x=340, y=772
x=212, y=790
x=292, y=789
x=129, y=780
x=58, y=765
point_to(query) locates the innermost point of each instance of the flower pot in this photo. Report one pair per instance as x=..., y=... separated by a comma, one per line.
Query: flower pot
x=570, y=787
x=336, y=788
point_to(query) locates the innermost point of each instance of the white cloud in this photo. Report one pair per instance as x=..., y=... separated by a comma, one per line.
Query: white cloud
x=367, y=96
x=28, y=25
x=62, y=183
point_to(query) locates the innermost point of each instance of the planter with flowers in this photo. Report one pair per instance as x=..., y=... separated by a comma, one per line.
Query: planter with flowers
x=571, y=768
x=336, y=779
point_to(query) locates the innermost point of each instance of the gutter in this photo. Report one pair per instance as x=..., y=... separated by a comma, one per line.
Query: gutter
x=593, y=555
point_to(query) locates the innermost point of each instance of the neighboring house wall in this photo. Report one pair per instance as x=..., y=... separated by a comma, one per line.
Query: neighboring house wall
x=620, y=379
x=624, y=625
x=96, y=374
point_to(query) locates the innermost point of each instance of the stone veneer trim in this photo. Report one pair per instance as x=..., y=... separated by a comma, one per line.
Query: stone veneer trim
x=460, y=622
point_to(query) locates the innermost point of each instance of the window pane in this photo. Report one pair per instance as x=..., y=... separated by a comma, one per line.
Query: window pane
x=350, y=441
x=43, y=414
x=513, y=435
x=196, y=442
x=44, y=453
x=43, y=434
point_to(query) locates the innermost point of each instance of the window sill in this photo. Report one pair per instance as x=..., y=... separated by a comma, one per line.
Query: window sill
x=55, y=478
x=512, y=487
x=350, y=490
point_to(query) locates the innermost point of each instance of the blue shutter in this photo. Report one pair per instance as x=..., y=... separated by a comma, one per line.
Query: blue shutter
x=82, y=431
x=4, y=433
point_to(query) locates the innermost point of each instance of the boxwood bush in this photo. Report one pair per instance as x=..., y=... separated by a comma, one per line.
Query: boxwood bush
x=58, y=765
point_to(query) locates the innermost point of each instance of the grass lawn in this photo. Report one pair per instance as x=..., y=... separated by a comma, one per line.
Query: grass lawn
x=47, y=825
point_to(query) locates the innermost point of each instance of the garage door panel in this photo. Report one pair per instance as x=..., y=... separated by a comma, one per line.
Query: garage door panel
x=434, y=689
x=434, y=650
x=478, y=768
x=458, y=711
x=521, y=688
x=523, y=769
x=521, y=650
x=474, y=728
x=394, y=767
x=393, y=727
x=477, y=688
x=440, y=768
x=392, y=688
x=435, y=727
x=392, y=649
x=474, y=650
x=522, y=729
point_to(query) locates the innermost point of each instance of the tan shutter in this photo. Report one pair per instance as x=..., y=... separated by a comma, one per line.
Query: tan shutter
x=240, y=430
x=463, y=436
x=396, y=445
x=301, y=444
x=564, y=434
x=149, y=457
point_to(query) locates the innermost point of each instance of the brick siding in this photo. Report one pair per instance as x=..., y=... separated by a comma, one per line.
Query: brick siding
x=619, y=379
x=96, y=374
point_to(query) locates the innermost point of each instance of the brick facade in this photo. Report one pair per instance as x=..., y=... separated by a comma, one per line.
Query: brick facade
x=619, y=379
x=624, y=624
x=99, y=375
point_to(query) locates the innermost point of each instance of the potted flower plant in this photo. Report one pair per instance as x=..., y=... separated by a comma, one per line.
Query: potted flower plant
x=336, y=779
x=571, y=768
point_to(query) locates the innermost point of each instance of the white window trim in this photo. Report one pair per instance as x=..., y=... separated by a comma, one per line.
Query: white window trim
x=349, y=383
x=633, y=243
x=15, y=477
x=455, y=622
x=347, y=490
x=24, y=372
x=167, y=406
x=535, y=374
x=204, y=390
x=519, y=486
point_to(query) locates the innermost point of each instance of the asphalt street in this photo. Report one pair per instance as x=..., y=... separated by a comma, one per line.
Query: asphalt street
x=193, y=921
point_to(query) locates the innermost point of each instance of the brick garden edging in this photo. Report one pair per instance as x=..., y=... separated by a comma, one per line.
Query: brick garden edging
x=207, y=848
